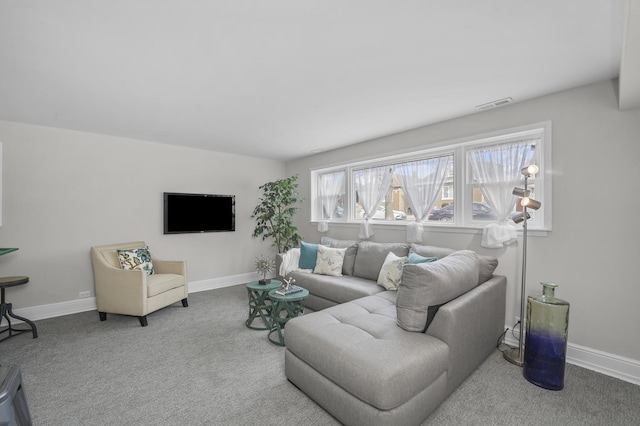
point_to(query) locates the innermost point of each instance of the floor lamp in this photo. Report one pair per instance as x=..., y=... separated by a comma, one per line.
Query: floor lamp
x=515, y=355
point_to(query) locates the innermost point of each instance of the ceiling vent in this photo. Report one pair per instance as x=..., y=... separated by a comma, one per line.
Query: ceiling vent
x=494, y=104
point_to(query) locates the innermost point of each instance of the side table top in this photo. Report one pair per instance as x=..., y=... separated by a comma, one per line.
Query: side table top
x=13, y=281
x=255, y=285
x=290, y=297
x=6, y=250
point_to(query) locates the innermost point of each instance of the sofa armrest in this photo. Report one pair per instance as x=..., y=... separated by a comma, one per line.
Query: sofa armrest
x=178, y=267
x=121, y=291
x=471, y=325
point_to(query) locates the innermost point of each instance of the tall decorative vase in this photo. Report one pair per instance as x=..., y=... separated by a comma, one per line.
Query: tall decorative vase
x=546, y=339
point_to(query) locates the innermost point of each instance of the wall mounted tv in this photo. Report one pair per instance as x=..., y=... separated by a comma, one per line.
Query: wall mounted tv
x=186, y=213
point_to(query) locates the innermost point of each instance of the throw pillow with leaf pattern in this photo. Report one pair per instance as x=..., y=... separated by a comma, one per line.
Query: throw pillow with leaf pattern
x=138, y=258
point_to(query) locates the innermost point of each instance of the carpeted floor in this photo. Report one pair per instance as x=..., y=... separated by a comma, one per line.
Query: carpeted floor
x=201, y=366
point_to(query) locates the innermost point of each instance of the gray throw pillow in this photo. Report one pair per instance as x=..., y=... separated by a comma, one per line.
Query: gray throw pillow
x=350, y=255
x=488, y=264
x=371, y=256
x=426, y=286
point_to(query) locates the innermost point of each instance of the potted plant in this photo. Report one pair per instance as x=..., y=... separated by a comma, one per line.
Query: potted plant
x=274, y=213
x=264, y=265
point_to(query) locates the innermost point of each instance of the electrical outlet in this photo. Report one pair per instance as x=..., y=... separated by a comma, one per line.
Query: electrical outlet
x=83, y=294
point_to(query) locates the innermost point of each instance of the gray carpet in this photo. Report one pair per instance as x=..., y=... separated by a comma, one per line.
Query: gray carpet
x=201, y=366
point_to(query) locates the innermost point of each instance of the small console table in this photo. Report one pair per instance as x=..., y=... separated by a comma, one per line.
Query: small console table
x=6, y=311
x=259, y=303
x=291, y=306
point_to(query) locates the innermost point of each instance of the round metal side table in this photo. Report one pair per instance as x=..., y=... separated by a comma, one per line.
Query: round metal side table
x=283, y=309
x=260, y=304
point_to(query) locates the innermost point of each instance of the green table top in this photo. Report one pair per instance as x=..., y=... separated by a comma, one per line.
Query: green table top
x=6, y=250
x=289, y=298
x=264, y=287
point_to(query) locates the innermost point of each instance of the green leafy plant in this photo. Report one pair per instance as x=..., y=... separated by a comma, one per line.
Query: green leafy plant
x=274, y=213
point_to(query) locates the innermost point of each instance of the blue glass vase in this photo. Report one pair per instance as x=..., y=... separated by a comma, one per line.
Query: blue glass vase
x=546, y=339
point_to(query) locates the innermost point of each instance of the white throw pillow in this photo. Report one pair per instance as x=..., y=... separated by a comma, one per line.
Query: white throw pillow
x=329, y=261
x=391, y=271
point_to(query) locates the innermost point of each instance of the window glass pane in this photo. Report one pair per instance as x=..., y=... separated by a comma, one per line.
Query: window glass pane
x=379, y=183
x=331, y=191
x=447, y=192
x=495, y=170
x=443, y=213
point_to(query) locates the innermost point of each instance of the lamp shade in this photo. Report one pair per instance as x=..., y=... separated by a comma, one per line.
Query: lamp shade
x=530, y=170
x=530, y=203
x=520, y=217
x=520, y=192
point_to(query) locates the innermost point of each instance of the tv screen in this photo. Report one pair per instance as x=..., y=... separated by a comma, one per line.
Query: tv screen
x=185, y=213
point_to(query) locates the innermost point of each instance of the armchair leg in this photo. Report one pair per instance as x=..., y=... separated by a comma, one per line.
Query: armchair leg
x=185, y=303
x=103, y=316
x=143, y=321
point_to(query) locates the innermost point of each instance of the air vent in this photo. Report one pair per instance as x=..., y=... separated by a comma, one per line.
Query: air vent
x=494, y=104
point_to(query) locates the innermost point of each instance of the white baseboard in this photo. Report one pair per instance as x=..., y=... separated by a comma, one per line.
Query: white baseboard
x=612, y=365
x=213, y=283
x=52, y=310
x=620, y=367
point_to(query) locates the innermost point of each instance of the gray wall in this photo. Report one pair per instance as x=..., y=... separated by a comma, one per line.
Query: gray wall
x=593, y=250
x=64, y=191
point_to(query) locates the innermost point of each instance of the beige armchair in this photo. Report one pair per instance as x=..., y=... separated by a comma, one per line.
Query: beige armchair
x=133, y=292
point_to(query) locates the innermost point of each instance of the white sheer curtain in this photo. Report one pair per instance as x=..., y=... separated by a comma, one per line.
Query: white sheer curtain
x=496, y=169
x=422, y=181
x=330, y=189
x=371, y=186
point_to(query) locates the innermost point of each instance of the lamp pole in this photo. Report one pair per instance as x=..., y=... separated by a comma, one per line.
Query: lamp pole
x=516, y=355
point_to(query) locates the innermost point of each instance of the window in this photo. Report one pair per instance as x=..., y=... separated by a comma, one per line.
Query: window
x=461, y=184
x=447, y=192
x=331, y=195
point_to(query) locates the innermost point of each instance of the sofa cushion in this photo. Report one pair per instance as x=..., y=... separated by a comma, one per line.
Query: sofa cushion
x=488, y=264
x=426, y=286
x=329, y=261
x=359, y=347
x=391, y=271
x=159, y=283
x=350, y=255
x=371, y=256
x=336, y=289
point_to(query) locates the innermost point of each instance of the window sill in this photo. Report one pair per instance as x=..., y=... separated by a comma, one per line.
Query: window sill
x=433, y=228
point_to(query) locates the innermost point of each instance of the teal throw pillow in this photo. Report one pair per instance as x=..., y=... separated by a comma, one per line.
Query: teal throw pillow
x=415, y=258
x=308, y=255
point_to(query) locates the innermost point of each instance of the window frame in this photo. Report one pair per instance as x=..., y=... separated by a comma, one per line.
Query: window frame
x=462, y=187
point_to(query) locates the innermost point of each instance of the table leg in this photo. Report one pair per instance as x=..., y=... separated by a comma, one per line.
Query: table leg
x=258, y=307
x=6, y=311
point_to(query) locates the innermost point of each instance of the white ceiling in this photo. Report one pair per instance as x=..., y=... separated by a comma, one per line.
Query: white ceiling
x=282, y=78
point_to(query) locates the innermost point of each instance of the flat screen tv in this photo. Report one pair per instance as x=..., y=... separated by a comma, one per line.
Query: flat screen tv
x=187, y=213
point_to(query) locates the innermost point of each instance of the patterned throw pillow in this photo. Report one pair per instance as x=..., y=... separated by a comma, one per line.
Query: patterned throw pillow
x=138, y=258
x=329, y=261
x=391, y=271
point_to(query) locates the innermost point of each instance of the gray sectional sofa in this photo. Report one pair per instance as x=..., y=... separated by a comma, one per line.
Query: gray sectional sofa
x=355, y=355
